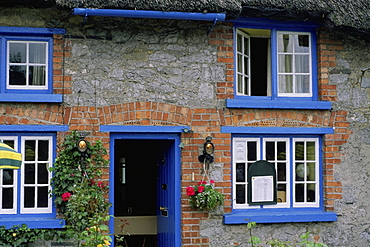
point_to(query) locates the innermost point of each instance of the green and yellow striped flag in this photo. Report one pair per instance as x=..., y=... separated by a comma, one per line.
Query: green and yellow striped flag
x=9, y=158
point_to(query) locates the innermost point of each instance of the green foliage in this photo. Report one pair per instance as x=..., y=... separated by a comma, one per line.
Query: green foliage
x=309, y=243
x=79, y=195
x=71, y=167
x=21, y=235
x=254, y=241
x=204, y=197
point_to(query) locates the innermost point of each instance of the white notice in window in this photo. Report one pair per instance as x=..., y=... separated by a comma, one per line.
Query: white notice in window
x=262, y=189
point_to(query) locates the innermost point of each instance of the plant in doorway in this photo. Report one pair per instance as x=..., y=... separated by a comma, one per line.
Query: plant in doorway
x=203, y=196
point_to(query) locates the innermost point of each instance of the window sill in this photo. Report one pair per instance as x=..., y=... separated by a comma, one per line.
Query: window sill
x=32, y=222
x=278, y=216
x=278, y=104
x=44, y=98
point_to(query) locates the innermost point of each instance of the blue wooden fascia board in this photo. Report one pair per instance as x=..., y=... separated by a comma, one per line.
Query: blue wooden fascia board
x=34, y=98
x=277, y=130
x=269, y=23
x=33, y=222
x=278, y=104
x=279, y=216
x=31, y=30
x=34, y=128
x=143, y=129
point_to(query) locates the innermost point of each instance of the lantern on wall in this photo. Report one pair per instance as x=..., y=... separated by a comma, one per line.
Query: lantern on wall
x=208, y=150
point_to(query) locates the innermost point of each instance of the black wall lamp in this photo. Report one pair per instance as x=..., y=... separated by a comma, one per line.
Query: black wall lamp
x=82, y=148
x=208, y=150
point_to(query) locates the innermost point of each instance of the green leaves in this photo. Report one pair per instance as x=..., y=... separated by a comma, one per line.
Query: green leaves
x=254, y=241
x=78, y=176
x=205, y=197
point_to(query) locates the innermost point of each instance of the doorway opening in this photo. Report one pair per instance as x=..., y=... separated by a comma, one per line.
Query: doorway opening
x=143, y=211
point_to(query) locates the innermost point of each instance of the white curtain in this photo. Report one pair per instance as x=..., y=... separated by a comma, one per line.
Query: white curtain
x=37, y=53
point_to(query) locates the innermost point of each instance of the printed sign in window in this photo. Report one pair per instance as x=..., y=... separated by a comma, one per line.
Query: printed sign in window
x=262, y=189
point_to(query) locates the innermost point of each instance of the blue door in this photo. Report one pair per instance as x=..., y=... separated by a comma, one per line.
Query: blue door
x=148, y=184
x=166, y=205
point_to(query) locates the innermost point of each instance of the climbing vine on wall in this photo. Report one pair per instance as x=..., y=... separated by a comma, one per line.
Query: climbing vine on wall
x=78, y=191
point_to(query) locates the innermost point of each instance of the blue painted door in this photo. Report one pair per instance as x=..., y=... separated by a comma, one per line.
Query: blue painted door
x=166, y=189
x=151, y=184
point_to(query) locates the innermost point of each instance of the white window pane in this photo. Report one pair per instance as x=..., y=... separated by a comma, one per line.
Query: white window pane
x=285, y=43
x=37, y=75
x=17, y=75
x=246, y=46
x=302, y=84
x=42, y=174
x=306, y=173
x=241, y=172
x=311, y=150
x=240, y=84
x=239, y=43
x=37, y=53
x=302, y=44
x=29, y=197
x=285, y=84
x=240, y=64
x=8, y=183
x=311, y=193
x=281, y=172
x=281, y=193
x=302, y=63
x=252, y=150
x=311, y=171
x=241, y=194
x=7, y=198
x=17, y=52
x=42, y=197
x=299, y=192
x=29, y=176
x=27, y=65
x=285, y=63
x=36, y=176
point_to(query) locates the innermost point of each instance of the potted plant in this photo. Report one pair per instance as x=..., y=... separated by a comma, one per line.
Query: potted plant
x=203, y=196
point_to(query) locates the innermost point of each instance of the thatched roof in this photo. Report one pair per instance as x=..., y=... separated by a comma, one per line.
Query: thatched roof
x=353, y=15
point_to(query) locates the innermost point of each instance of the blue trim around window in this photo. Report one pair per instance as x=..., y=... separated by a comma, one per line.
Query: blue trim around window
x=28, y=34
x=143, y=129
x=34, y=128
x=280, y=215
x=33, y=221
x=277, y=130
x=275, y=102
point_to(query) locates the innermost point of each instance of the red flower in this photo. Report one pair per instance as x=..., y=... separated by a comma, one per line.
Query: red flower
x=212, y=181
x=202, y=182
x=66, y=196
x=190, y=191
x=100, y=184
x=200, y=189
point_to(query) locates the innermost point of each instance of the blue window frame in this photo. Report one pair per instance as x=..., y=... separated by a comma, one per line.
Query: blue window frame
x=275, y=65
x=298, y=163
x=24, y=193
x=26, y=73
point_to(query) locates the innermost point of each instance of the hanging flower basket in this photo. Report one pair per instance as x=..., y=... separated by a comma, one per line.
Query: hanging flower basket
x=204, y=197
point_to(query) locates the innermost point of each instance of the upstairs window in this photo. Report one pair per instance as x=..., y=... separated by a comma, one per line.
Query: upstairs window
x=275, y=65
x=254, y=64
x=27, y=65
